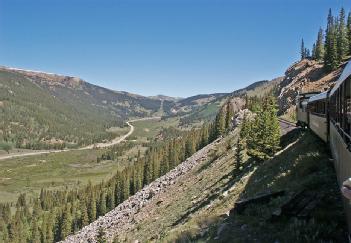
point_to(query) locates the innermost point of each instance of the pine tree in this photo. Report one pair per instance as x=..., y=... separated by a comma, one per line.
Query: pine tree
x=319, y=53
x=331, y=48
x=189, y=146
x=314, y=51
x=50, y=228
x=303, y=50
x=102, y=204
x=126, y=186
x=35, y=238
x=84, y=214
x=229, y=115
x=220, y=123
x=92, y=208
x=36, y=209
x=148, y=170
x=264, y=138
x=66, y=222
x=342, y=40
x=110, y=200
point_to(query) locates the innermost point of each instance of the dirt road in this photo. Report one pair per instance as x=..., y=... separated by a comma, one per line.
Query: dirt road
x=98, y=145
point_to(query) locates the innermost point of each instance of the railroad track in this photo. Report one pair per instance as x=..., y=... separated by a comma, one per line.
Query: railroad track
x=287, y=122
x=286, y=126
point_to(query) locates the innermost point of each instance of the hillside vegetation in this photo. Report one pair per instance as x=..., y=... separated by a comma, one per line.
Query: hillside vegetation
x=200, y=206
x=49, y=111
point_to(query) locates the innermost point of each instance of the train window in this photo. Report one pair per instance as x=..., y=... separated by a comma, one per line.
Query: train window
x=318, y=108
x=347, y=110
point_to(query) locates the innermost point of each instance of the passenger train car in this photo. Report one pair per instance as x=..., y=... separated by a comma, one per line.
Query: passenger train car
x=301, y=108
x=328, y=115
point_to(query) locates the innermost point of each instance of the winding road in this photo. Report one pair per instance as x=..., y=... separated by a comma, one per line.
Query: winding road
x=98, y=145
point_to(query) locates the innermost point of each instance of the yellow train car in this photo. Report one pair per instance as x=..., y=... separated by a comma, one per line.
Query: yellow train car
x=340, y=131
x=317, y=115
x=301, y=108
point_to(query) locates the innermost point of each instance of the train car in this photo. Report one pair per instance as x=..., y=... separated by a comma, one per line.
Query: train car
x=340, y=130
x=301, y=108
x=317, y=109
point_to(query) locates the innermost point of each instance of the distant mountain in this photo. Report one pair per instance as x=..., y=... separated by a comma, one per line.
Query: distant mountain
x=208, y=110
x=192, y=103
x=44, y=110
x=164, y=97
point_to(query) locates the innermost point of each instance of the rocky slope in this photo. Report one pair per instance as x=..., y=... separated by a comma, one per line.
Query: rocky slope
x=304, y=76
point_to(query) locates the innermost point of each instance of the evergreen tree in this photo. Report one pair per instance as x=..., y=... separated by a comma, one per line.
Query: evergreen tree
x=342, y=40
x=126, y=186
x=110, y=200
x=264, y=137
x=35, y=232
x=204, y=136
x=314, y=51
x=50, y=228
x=148, y=171
x=66, y=222
x=102, y=204
x=220, y=123
x=331, y=48
x=92, y=208
x=319, y=50
x=238, y=155
x=189, y=146
x=303, y=50
x=84, y=214
x=229, y=115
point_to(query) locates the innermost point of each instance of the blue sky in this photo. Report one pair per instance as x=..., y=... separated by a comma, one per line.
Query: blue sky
x=172, y=47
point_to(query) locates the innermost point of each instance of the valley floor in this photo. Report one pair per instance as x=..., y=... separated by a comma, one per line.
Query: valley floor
x=18, y=153
x=28, y=171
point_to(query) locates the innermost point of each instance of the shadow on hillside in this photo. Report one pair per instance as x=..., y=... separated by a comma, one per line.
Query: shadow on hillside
x=305, y=165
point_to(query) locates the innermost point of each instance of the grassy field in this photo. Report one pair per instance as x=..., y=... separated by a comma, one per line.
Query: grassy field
x=151, y=128
x=57, y=171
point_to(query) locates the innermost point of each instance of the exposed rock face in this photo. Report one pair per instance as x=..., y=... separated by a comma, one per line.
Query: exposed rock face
x=239, y=117
x=123, y=214
x=237, y=103
x=304, y=76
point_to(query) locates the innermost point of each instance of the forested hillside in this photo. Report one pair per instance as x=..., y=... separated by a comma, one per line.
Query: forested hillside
x=41, y=110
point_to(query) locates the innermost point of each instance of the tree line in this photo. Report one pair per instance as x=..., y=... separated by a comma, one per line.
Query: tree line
x=333, y=45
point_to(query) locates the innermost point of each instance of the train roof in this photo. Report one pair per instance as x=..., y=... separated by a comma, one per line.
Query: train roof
x=306, y=96
x=309, y=93
x=344, y=75
x=321, y=96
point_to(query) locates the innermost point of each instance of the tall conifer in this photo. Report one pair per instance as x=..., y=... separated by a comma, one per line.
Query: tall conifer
x=342, y=40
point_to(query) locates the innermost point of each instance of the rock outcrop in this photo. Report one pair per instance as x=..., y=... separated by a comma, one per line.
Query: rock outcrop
x=122, y=215
x=304, y=76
